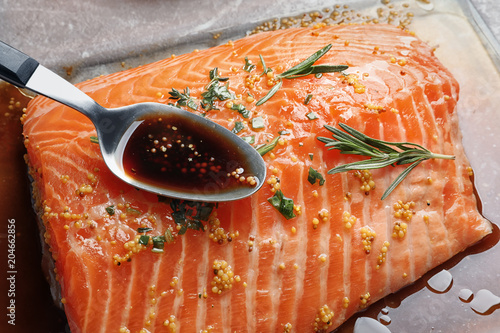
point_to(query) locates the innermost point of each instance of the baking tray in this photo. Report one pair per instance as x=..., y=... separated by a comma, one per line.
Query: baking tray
x=141, y=32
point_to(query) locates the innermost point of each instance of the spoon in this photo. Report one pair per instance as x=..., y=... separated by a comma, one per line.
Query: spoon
x=117, y=125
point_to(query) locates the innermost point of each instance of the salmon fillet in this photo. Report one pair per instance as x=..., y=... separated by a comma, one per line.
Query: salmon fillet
x=252, y=269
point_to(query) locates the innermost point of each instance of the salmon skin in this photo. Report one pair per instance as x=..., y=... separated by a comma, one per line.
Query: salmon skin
x=130, y=261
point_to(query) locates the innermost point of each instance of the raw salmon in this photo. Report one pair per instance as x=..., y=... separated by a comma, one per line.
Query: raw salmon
x=253, y=269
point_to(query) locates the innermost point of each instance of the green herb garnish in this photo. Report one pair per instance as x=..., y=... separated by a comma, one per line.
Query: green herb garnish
x=249, y=139
x=144, y=240
x=158, y=241
x=238, y=127
x=304, y=68
x=184, y=98
x=267, y=148
x=265, y=69
x=283, y=204
x=133, y=211
x=158, y=244
x=314, y=176
x=381, y=153
x=110, y=210
x=94, y=139
x=308, y=99
x=248, y=67
x=215, y=91
x=241, y=109
x=190, y=214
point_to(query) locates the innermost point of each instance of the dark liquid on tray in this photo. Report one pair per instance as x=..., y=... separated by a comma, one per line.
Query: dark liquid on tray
x=169, y=151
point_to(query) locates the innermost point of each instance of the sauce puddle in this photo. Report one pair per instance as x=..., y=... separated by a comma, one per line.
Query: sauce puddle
x=169, y=151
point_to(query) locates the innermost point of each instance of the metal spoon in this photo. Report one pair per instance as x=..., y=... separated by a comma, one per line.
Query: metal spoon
x=114, y=126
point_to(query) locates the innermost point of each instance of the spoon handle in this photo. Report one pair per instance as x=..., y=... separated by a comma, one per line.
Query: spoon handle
x=25, y=72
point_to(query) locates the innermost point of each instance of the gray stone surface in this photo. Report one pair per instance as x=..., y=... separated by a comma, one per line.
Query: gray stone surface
x=84, y=33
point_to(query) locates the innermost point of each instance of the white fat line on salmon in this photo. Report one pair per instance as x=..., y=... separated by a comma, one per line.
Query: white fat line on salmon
x=301, y=254
x=226, y=300
x=127, y=308
x=155, y=279
x=408, y=190
x=203, y=276
x=346, y=242
x=401, y=244
x=325, y=235
x=179, y=297
x=385, y=269
x=387, y=266
x=110, y=272
x=279, y=240
x=458, y=150
x=74, y=244
x=253, y=268
x=366, y=218
x=426, y=142
x=439, y=140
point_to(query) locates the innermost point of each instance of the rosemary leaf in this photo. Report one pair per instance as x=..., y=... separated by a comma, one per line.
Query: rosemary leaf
x=306, y=64
x=303, y=68
x=248, y=67
x=381, y=153
x=400, y=178
x=267, y=148
x=270, y=93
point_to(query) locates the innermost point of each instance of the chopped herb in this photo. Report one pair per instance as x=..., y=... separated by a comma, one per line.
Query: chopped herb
x=238, y=126
x=283, y=204
x=265, y=69
x=158, y=243
x=311, y=156
x=143, y=230
x=270, y=94
x=258, y=122
x=283, y=132
x=215, y=91
x=110, y=210
x=381, y=153
x=169, y=238
x=144, y=240
x=183, y=99
x=304, y=68
x=267, y=148
x=190, y=214
x=94, y=139
x=314, y=176
x=248, y=67
x=308, y=99
x=312, y=116
x=249, y=139
x=241, y=109
x=133, y=211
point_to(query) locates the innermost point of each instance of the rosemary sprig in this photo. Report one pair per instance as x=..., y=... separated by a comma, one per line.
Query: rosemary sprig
x=184, y=98
x=381, y=153
x=304, y=68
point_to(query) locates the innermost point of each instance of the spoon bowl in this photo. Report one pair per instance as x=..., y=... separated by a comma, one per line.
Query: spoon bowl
x=116, y=126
